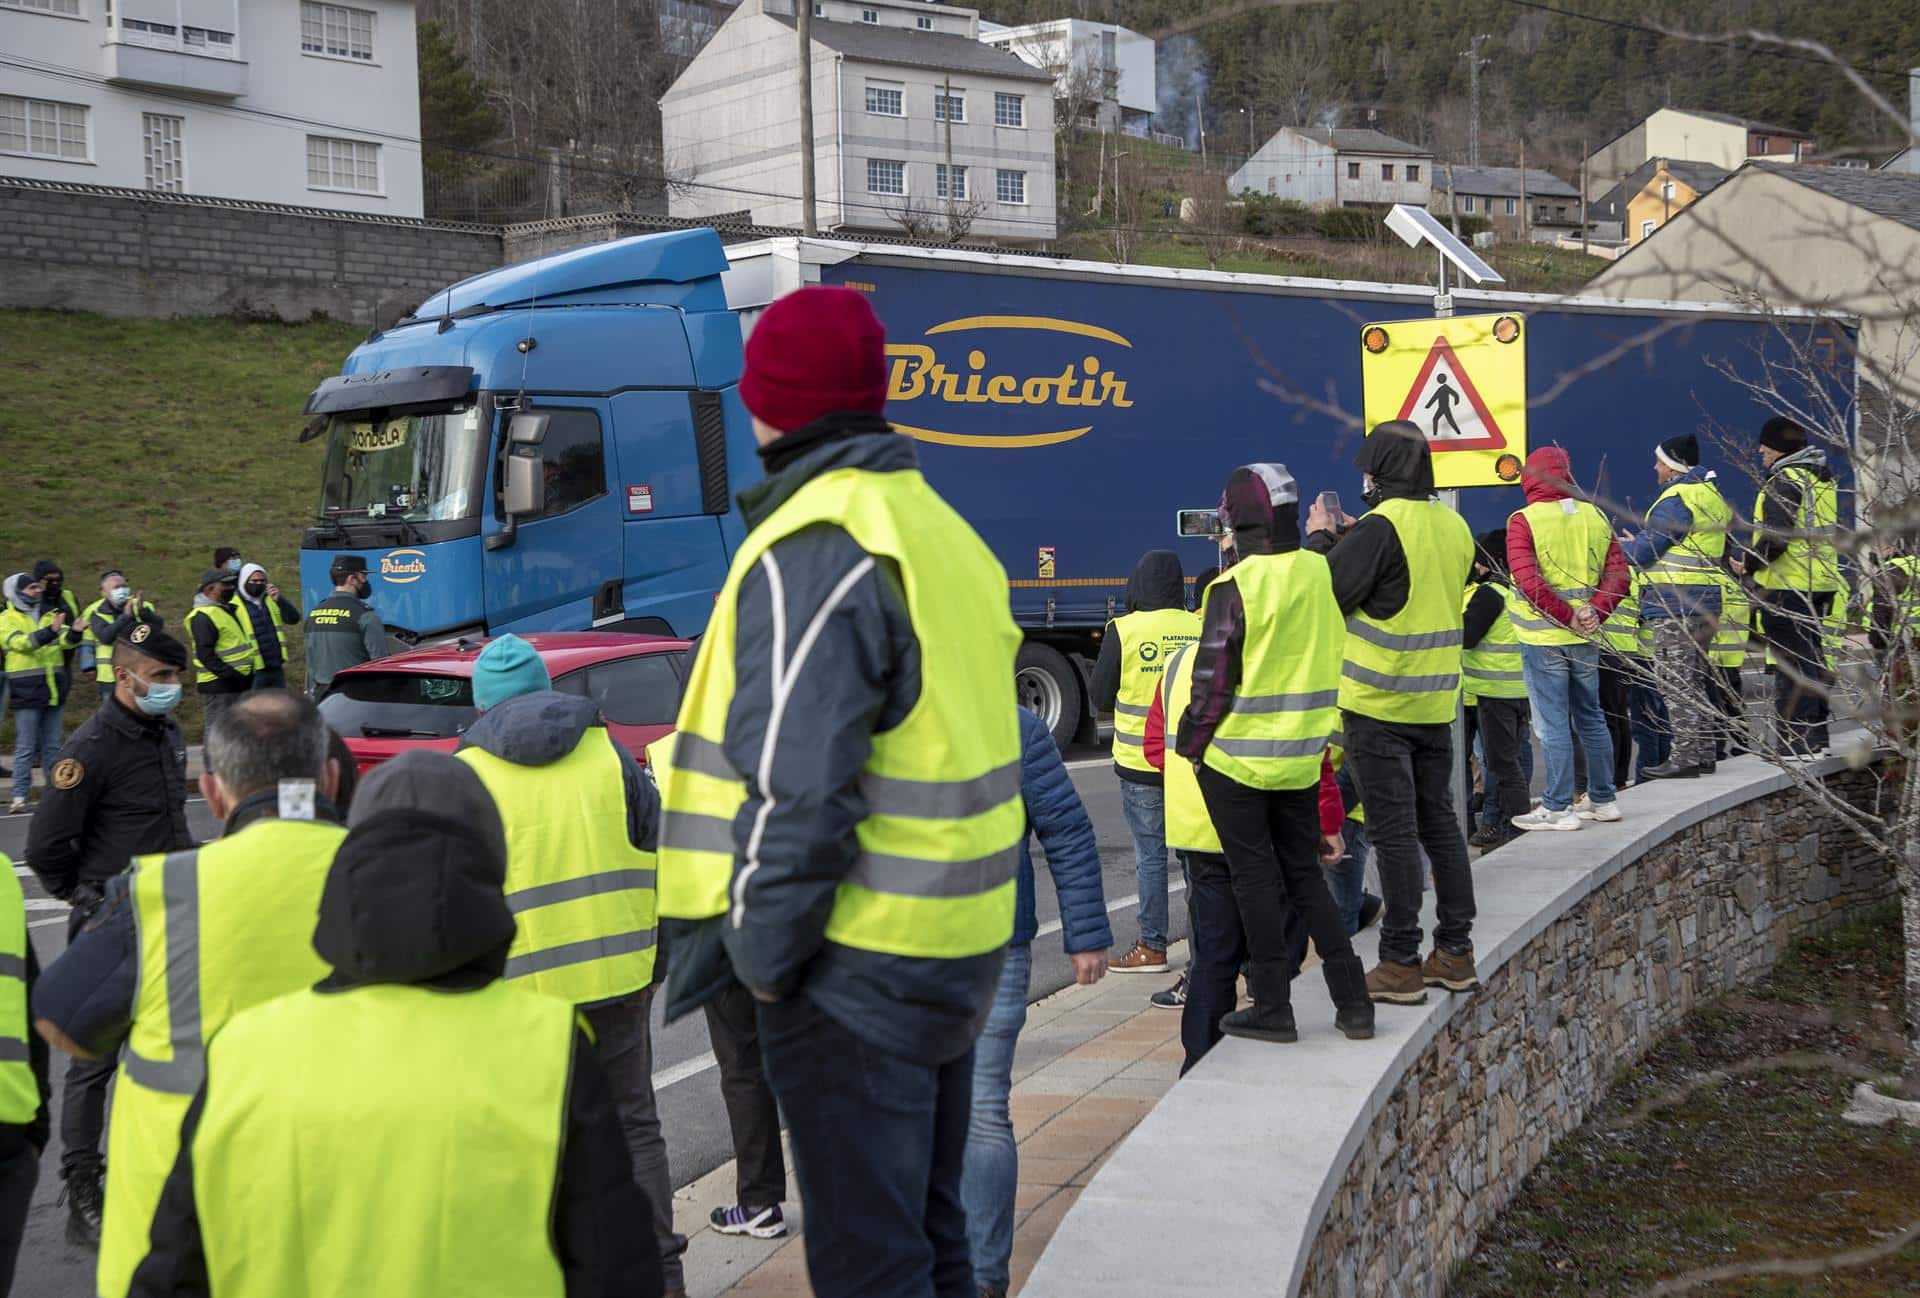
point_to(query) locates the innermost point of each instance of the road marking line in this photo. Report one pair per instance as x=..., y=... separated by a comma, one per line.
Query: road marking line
x=45, y=923
x=1082, y=763
x=45, y=903
x=1052, y=926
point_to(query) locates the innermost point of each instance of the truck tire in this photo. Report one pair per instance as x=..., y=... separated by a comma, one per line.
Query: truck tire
x=1046, y=684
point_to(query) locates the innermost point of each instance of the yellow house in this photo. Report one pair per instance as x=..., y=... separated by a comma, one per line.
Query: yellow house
x=1673, y=185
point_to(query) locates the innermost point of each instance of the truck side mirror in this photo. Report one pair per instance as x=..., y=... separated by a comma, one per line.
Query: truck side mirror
x=525, y=492
x=527, y=430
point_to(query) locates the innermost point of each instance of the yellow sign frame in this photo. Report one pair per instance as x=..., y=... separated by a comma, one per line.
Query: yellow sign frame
x=1488, y=354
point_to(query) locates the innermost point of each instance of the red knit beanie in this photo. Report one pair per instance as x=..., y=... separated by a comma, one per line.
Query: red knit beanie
x=817, y=351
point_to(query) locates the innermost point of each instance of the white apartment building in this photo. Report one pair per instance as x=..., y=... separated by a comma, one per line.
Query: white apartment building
x=280, y=101
x=1112, y=65
x=1691, y=135
x=1337, y=167
x=912, y=116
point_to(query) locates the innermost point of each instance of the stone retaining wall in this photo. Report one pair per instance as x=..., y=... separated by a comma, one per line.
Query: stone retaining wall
x=1700, y=914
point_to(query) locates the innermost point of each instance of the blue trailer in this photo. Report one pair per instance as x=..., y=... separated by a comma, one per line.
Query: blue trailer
x=557, y=444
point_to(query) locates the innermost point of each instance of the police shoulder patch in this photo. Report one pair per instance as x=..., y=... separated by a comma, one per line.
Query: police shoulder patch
x=68, y=772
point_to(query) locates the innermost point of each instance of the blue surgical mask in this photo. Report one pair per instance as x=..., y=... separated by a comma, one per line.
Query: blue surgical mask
x=119, y=596
x=233, y=565
x=159, y=699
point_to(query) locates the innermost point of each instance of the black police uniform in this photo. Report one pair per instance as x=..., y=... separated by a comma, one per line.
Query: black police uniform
x=117, y=790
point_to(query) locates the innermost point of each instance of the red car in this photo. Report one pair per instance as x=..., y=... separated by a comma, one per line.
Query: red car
x=423, y=698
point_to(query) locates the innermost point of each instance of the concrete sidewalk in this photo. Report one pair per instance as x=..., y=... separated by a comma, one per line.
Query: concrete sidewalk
x=1090, y=1064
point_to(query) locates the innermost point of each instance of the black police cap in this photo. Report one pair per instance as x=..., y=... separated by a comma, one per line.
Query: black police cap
x=149, y=641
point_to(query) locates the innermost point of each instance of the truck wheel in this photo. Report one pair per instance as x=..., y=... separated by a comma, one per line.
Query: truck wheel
x=1046, y=684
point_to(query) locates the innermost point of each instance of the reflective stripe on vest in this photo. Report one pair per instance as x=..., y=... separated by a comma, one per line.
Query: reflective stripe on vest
x=219, y=929
x=1730, y=635
x=385, y=1140
x=1695, y=559
x=1810, y=563
x=1621, y=630
x=1903, y=596
x=27, y=664
x=232, y=645
x=19, y=1091
x=1570, y=543
x=1407, y=668
x=1287, y=699
x=1147, y=640
x=1189, y=827
x=940, y=846
x=1491, y=669
x=582, y=895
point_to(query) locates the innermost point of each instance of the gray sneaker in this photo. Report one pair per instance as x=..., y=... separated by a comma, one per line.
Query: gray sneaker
x=1173, y=998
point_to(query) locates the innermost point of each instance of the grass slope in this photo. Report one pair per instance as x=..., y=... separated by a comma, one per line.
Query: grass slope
x=143, y=444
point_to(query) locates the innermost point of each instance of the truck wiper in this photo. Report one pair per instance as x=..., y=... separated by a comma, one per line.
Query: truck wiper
x=398, y=732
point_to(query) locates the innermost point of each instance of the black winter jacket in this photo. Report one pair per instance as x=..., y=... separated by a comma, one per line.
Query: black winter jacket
x=124, y=796
x=1157, y=582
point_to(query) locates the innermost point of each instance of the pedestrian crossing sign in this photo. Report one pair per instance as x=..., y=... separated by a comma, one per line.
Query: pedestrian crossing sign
x=1463, y=380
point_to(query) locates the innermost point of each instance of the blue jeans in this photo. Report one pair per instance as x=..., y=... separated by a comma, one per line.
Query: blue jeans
x=36, y=737
x=1145, y=807
x=879, y=1142
x=1563, y=681
x=992, y=1170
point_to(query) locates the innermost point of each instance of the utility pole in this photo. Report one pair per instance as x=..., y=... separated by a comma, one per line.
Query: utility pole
x=1583, y=197
x=803, y=24
x=1526, y=213
x=1474, y=64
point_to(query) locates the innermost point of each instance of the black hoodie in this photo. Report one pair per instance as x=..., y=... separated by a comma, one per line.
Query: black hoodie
x=1156, y=583
x=414, y=898
x=1370, y=572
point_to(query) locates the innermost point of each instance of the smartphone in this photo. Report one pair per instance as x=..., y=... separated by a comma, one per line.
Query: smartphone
x=1198, y=522
x=1330, y=501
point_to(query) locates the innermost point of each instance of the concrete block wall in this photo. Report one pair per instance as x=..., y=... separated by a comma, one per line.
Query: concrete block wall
x=127, y=252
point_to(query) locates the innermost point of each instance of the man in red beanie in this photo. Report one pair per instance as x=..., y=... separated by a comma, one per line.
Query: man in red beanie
x=843, y=816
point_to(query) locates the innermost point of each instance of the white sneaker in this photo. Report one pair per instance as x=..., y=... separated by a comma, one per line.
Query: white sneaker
x=19, y=807
x=1604, y=812
x=1540, y=818
x=1582, y=807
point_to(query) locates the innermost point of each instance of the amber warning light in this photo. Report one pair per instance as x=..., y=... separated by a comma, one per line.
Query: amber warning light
x=1374, y=339
x=1506, y=329
x=1507, y=468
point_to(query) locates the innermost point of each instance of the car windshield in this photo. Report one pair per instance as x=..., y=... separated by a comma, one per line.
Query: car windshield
x=399, y=705
x=417, y=467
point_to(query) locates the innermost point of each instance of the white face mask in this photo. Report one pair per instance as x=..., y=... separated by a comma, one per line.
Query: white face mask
x=118, y=596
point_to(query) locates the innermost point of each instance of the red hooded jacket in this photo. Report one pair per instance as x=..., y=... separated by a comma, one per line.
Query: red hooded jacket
x=1547, y=476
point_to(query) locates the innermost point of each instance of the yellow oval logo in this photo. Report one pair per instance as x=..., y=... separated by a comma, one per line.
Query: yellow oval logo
x=403, y=566
x=918, y=372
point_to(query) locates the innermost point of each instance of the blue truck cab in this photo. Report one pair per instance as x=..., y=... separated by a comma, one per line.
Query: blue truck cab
x=552, y=445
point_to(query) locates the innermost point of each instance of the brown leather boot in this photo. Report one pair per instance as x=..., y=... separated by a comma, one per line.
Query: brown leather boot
x=1397, y=984
x=1142, y=959
x=1454, y=972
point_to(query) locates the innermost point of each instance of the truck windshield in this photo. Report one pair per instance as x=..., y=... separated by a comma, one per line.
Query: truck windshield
x=417, y=467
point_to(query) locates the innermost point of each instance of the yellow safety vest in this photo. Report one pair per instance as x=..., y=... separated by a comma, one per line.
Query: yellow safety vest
x=19, y=1090
x=1286, y=704
x=1407, y=668
x=1735, y=625
x=1189, y=827
x=220, y=929
x=233, y=645
x=1622, y=631
x=1906, y=604
x=94, y=620
x=1147, y=640
x=581, y=893
x=385, y=1140
x=1809, y=564
x=1694, y=560
x=29, y=667
x=1491, y=669
x=279, y=630
x=940, y=848
x=1570, y=541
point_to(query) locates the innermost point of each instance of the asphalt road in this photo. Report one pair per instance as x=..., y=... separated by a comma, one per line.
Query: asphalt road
x=684, y=1076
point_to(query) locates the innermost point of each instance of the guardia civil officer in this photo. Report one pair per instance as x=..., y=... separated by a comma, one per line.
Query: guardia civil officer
x=186, y=940
x=581, y=822
x=118, y=790
x=342, y=630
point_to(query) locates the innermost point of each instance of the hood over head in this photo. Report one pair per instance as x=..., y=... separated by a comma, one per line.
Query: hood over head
x=1157, y=582
x=535, y=729
x=1396, y=454
x=1548, y=475
x=1261, y=504
x=246, y=575
x=1490, y=550
x=11, y=589
x=415, y=894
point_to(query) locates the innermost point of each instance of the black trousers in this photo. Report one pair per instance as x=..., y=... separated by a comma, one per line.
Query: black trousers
x=760, y=1169
x=83, y=1094
x=1724, y=684
x=1217, y=949
x=1504, y=729
x=1272, y=843
x=1406, y=781
x=1792, y=622
x=19, y=1174
x=1616, y=695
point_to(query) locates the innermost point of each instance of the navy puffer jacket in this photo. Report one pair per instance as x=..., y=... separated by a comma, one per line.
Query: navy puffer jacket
x=1054, y=813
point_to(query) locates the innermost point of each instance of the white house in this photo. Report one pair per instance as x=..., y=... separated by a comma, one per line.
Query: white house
x=1337, y=167
x=1112, y=65
x=914, y=118
x=279, y=101
x=1691, y=135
